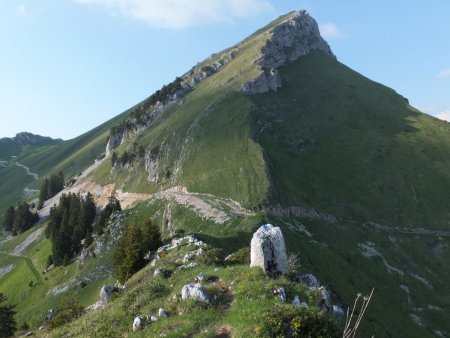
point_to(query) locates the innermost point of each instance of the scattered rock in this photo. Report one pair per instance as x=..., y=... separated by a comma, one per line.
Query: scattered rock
x=338, y=312
x=106, y=292
x=268, y=250
x=296, y=301
x=279, y=291
x=195, y=291
x=97, y=305
x=200, y=276
x=50, y=314
x=162, y=313
x=309, y=279
x=137, y=323
x=153, y=318
x=325, y=299
x=188, y=266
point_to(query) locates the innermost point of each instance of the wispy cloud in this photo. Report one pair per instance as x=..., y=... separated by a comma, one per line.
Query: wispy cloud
x=443, y=74
x=444, y=115
x=22, y=10
x=177, y=14
x=329, y=30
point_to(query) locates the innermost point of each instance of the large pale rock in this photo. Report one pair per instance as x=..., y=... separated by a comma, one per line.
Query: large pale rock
x=268, y=250
x=106, y=291
x=137, y=323
x=195, y=291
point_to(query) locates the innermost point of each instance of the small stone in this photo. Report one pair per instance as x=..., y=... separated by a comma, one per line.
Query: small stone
x=137, y=323
x=162, y=313
x=338, y=312
x=296, y=301
x=279, y=291
x=201, y=276
x=153, y=318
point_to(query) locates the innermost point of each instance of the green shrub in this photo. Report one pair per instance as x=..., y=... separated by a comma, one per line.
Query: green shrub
x=241, y=256
x=290, y=321
x=68, y=310
x=211, y=256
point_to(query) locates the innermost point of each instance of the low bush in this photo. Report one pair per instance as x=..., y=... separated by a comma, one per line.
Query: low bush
x=291, y=321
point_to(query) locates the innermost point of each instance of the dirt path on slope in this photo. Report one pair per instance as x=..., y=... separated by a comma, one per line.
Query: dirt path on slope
x=6, y=269
x=20, y=248
x=29, y=173
x=205, y=205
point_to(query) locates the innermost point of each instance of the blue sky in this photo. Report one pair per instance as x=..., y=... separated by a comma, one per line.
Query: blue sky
x=68, y=65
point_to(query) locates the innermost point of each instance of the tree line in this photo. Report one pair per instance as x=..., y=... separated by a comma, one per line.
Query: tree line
x=68, y=224
x=50, y=187
x=19, y=219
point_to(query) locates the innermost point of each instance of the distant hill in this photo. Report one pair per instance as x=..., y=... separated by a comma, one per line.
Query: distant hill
x=13, y=146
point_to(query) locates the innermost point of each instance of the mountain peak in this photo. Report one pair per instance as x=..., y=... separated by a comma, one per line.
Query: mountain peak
x=292, y=36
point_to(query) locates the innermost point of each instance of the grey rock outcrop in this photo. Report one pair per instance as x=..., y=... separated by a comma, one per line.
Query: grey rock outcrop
x=268, y=250
x=152, y=167
x=291, y=39
x=295, y=36
x=308, y=279
x=106, y=292
x=195, y=291
x=267, y=81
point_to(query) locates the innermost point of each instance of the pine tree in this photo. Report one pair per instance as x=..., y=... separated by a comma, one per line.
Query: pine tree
x=43, y=193
x=8, y=221
x=131, y=248
x=24, y=218
x=7, y=321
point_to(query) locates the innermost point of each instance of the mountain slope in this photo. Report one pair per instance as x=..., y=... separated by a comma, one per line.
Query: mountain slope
x=355, y=177
x=19, y=143
x=71, y=157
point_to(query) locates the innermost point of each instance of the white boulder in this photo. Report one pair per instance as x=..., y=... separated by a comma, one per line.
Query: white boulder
x=268, y=250
x=137, y=323
x=195, y=291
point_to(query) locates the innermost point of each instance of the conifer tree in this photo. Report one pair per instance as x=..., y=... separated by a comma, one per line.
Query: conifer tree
x=7, y=321
x=8, y=221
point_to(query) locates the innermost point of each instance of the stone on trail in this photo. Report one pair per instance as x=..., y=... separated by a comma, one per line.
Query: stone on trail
x=268, y=250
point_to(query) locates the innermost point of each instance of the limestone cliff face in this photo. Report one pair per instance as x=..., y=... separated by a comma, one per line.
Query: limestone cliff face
x=292, y=38
x=295, y=36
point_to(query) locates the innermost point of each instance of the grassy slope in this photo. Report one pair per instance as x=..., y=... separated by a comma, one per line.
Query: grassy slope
x=70, y=156
x=34, y=301
x=12, y=181
x=189, y=139
x=339, y=142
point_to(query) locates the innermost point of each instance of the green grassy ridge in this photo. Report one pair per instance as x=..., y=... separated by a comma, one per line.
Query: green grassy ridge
x=71, y=157
x=188, y=138
x=13, y=180
x=242, y=309
x=338, y=142
x=33, y=302
x=334, y=256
